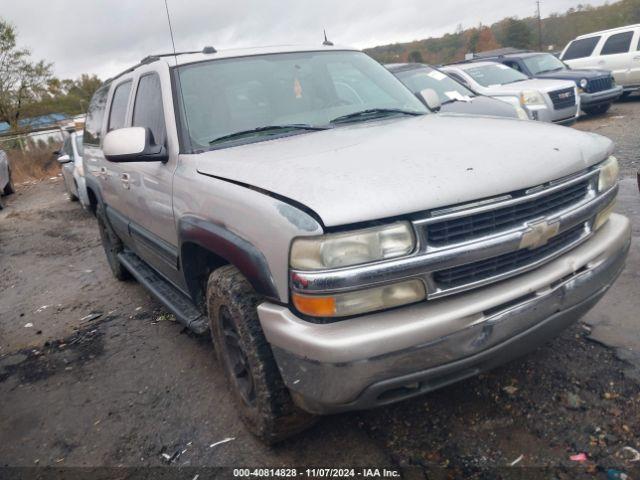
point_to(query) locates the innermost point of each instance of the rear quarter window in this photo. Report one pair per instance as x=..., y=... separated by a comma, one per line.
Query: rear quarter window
x=618, y=43
x=117, y=115
x=95, y=116
x=581, y=48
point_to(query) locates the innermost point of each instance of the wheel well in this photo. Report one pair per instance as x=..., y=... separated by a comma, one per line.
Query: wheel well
x=93, y=200
x=197, y=264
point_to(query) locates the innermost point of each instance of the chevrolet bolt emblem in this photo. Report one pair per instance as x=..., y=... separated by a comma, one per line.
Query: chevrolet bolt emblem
x=539, y=234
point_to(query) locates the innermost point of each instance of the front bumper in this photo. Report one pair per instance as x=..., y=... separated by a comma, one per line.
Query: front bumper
x=544, y=113
x=606, y=96
x=382, y=358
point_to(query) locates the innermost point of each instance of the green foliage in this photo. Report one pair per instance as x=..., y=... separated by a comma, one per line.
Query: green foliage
x=28, y=89
x=65, y=96
x=516, y=34
x=557, y=30
x=21, y=80
x=415, y=56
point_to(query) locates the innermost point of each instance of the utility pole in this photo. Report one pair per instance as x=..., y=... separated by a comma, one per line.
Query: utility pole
x=539, y=26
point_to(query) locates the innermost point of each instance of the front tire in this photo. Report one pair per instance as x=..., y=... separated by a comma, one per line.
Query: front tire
x=263, y=401
x=597, y=110
x=112, y=245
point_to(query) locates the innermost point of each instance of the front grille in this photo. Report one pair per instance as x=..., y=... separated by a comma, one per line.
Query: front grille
x=563, y=98
x=599, y=84
x=508, y=262
x=493, y=221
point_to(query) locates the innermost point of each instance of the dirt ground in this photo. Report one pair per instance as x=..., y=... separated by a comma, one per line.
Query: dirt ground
x=94, y=373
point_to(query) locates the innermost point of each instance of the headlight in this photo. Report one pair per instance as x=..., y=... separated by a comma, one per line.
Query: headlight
x=531, y=97
x=522, y=115
x=360, y=301
x=583, y=83
x=608, y=174
x=336, y=250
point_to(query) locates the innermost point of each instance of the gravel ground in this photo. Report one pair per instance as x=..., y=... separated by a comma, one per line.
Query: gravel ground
x=94, y=373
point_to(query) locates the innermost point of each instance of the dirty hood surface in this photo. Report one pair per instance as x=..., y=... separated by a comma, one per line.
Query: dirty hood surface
x=381, y=169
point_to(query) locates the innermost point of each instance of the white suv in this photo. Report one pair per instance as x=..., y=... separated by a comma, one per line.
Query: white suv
x=617, y=50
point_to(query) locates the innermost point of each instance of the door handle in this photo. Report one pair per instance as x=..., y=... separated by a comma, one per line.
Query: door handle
x=124, y=178
x=601, y=62
x=637, y=57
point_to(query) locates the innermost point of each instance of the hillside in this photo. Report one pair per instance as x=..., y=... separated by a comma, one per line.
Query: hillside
x=557, y=30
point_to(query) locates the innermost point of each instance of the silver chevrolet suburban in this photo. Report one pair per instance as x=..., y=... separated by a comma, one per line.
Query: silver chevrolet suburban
x=345, y=247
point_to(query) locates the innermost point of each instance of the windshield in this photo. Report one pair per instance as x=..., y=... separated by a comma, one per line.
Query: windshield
x=446, y=87
x=227, y=96
x=543, y=63
x=495, y=74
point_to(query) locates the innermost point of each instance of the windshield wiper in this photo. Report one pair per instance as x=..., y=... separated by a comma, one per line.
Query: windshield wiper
x=373, y=113
x=550, y=70
x=265, y=129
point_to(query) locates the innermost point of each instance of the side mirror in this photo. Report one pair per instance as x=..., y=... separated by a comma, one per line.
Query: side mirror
x=64, y=158
x=133, y=144
x=430, y=98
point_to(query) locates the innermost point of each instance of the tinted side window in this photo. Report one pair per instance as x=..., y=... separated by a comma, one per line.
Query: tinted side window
x=581, y=48
x=95, y=116
x=148, y=111
x=618, y=43
x=119, y=106
x=513, y=65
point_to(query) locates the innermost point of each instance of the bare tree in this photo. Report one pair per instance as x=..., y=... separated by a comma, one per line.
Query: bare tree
x=21, y=79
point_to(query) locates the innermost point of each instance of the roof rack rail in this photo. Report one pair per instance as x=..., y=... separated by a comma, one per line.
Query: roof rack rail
x=157, y=56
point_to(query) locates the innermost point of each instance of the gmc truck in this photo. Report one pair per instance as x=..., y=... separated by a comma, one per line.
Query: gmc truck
x=344, y=246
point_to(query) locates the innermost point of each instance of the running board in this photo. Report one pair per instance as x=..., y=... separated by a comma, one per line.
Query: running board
x=172, y=298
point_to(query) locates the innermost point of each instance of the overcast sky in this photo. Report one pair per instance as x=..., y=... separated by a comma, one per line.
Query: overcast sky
x=104, y=37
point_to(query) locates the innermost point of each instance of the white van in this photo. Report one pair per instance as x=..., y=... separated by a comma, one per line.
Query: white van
x=617, y=50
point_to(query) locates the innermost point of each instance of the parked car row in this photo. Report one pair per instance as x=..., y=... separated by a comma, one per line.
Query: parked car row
x=597, y=88
x=593, y=71
x=345, y=246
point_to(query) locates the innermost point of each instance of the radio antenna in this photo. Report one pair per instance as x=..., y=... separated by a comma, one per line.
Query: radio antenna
x=173, y=44
x=326, y=42
x=177, y=75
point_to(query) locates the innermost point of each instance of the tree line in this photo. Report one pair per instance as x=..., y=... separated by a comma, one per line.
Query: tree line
x=557, y=30
x=28, y=87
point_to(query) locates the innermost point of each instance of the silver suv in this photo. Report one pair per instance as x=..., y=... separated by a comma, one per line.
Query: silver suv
x=345, y=248
x=545, y=100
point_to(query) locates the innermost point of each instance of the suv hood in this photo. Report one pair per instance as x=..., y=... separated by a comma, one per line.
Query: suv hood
x=543, y=85
x=575, y=75
x=385, y=168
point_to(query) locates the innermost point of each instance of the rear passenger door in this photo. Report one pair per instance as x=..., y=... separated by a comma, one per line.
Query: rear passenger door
x=615, y=55
x=149, y=186
x=110, y=174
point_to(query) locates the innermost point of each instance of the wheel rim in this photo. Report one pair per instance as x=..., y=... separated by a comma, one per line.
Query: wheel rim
x=236, y=359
